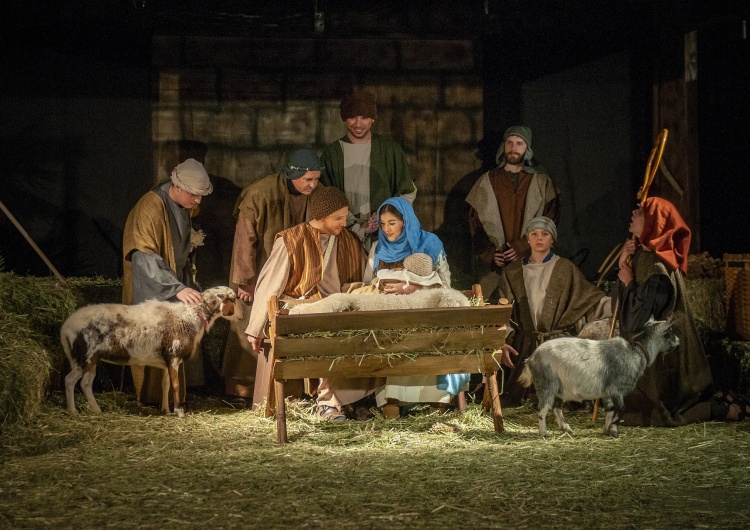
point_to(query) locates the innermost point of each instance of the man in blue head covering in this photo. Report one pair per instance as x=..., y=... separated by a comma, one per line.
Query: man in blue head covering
x=503, y=201
x=265, y=207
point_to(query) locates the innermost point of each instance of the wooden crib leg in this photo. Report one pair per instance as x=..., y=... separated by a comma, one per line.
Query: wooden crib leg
x=497, y=409
x=280, y=411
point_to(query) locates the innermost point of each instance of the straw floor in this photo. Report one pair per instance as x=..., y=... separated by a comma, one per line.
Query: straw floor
x=131, y=467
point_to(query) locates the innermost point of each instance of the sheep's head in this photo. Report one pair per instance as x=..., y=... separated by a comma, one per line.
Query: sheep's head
x=222, y=302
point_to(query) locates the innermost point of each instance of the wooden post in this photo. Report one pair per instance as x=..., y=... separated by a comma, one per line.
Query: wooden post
x=497, y=410
x=265, y=369
x=280, y=410
x=33, y=244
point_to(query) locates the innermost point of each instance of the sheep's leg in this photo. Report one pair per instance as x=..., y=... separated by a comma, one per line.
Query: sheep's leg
x=87, y=382
x=173, y=373
x=546, y=390
x=70, y=386
x=557, y=409
x=166, y=387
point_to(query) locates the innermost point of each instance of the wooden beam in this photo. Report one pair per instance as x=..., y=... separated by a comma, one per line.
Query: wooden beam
x=372, y=366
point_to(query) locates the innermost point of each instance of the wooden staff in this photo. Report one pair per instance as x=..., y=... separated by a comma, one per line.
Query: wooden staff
x=33, y=244
x=652, y=167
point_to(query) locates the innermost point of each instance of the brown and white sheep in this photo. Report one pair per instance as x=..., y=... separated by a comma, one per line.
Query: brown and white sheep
x=152, y=333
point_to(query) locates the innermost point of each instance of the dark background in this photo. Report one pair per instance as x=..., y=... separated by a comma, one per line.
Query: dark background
x=76, y=95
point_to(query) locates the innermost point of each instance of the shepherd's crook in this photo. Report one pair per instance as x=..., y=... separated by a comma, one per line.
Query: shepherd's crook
x=33, y=245
x=652, y=167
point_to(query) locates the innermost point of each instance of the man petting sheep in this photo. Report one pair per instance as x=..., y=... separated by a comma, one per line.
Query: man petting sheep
x=313, y=260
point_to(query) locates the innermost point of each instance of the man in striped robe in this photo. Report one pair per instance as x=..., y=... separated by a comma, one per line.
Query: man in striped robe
x=313, y=260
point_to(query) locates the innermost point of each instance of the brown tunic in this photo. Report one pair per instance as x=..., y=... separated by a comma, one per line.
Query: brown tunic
x=676, y=389
x=569, y=297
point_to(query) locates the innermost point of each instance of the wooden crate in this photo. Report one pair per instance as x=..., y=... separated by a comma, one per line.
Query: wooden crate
x=434, y=341
x=737, y=278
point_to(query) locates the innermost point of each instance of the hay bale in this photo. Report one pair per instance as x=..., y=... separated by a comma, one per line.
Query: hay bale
x=44, y=301
x=708, y=300
x=25, y=366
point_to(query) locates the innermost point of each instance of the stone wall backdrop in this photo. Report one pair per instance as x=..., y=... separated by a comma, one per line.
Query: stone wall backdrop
x=252, y=102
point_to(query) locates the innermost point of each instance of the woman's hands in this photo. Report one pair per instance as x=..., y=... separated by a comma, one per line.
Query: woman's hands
x=372, y=224
x=626, y=254
x=400, y=288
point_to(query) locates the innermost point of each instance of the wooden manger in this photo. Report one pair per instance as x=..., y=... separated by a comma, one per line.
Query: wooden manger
x=434, y=341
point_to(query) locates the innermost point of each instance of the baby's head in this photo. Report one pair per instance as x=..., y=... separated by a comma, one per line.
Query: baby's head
x=418, y=270
x=419, y=264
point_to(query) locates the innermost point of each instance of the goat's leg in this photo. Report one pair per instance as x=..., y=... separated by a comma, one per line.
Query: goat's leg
x=87, y=382
x=557, y=410
x=542, y=415
x=618, y=405
x=70, y=386
x=610, y=413
x=173, y=373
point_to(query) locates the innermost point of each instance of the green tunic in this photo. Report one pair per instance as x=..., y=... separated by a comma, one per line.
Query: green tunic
x=389, y=172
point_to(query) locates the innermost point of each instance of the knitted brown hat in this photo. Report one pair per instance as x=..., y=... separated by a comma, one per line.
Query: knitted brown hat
x=325, y=200
x=418, y=263
x=359, y=104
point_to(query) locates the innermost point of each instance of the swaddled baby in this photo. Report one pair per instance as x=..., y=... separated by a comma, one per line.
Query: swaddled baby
x=418, y=270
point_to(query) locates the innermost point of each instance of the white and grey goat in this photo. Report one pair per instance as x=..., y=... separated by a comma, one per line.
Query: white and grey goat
x=575, y=369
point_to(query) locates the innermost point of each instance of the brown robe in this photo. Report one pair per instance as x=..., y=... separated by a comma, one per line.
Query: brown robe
x=264, y=208
x=569, y=298
x=147, y=229
x=676, y=389
x=498, y=224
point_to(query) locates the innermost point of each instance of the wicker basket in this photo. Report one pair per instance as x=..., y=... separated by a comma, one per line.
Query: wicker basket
x=737, y=277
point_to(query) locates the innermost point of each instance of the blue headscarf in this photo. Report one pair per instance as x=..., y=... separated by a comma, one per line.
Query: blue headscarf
x=412, y=239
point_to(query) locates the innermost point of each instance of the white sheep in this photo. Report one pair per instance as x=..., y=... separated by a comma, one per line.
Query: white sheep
x=421, y=299
x=152, y=333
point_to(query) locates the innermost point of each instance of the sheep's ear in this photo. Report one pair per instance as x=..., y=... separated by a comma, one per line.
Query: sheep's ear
x=651, y=319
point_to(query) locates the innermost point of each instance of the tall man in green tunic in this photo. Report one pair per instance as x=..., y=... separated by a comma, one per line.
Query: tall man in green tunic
x=156, y=246
x=367, y=167
x=265, y=207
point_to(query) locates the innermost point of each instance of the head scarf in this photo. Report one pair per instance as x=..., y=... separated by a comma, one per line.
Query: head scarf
x=191, y=176
x=545, y=223
x=529, y=162
x=412, y=239
x=665, y=233
x=302, y=161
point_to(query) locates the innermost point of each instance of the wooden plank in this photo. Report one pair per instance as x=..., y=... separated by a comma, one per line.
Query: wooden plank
x=441, y=317
x=381, y=342
x=381, y=366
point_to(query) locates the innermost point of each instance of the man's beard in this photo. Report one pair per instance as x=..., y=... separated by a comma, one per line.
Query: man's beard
x=513, y=158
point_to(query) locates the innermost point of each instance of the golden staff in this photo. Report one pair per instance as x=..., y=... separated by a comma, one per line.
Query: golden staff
x=652, y=167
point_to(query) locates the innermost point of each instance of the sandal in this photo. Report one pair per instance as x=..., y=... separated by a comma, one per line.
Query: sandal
x=734, y=398
x=324, y=412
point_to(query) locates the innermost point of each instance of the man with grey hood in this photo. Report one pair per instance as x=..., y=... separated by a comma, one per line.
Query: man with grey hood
x=503, y=201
